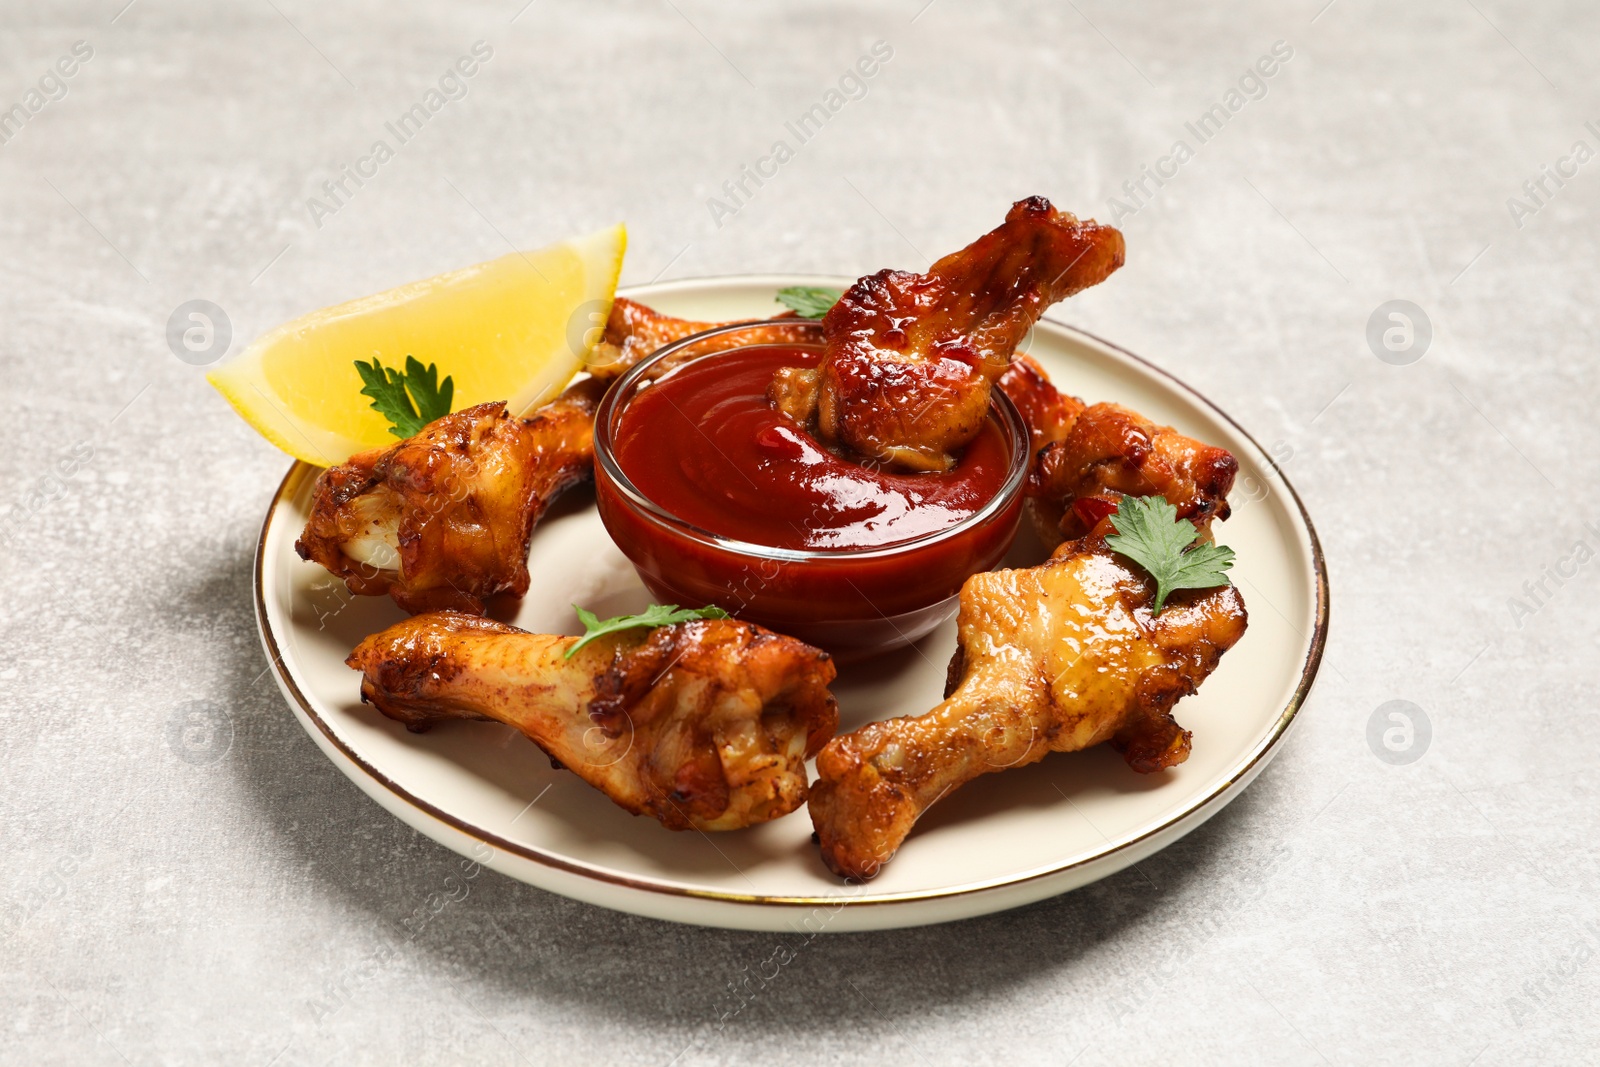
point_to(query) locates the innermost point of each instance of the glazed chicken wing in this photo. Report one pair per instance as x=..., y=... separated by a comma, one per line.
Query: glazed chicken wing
x=442, y=519
x=1087, y=457
x=702, y=725
x=1048, y=412
x=635, y=331
x=910, y=358
x=1053, y=658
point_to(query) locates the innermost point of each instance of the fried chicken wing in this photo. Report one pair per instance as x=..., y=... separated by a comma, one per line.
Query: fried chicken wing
x=703, y=725
x=1048, y=412
x=910, y=358
x=442, y=519
x=635, y=331
x=1052, y=658
x=1087, y=457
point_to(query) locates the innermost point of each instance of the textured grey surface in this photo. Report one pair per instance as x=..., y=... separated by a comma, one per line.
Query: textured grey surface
x=177, y=903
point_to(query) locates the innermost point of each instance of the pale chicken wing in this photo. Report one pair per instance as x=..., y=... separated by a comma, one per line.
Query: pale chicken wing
x=703, y=725
x=1052, y=658
x=910, y=358
x=442, y=519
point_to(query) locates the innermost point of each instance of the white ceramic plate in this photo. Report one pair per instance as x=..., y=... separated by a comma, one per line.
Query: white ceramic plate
x=1004, y=840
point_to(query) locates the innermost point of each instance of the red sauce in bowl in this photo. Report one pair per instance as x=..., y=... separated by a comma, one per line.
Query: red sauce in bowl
x=704, y=443
x=717, y=498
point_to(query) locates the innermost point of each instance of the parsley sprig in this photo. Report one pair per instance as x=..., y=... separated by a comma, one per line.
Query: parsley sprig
x=809, y=301
x=393, y=394
x=1150, y=533
x=651, y=617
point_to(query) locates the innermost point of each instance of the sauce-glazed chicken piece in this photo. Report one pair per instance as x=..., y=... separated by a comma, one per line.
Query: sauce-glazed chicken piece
x=1053, y=658
x=911, y=357
x=635, y=331
x=1048, y=412
x=442, y=519
x=1087, y=456
x=703, y=725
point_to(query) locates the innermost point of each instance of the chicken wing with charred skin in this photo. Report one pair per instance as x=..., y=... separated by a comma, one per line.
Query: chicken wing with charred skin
x=1052, y=658
x=703, y=725
x=442, y=519
x=1087, y=456
x=910, y=358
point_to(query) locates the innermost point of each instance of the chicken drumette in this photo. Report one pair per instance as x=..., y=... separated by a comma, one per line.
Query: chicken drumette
x=442, y=519
x=702, y=725
x=910, y=358
x=635, y=331
x=1087, y=456
x=1052, y=658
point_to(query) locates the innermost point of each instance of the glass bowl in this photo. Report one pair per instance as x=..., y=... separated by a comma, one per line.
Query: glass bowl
x=851, y=602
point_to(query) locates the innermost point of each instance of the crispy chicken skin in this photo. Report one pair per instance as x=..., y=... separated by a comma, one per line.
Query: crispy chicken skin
x=703, y=725
x=1048, y=412
x=635, y=331
x=1052, y=658
x=442, y=519
x=910, y=358
x=1087, y=457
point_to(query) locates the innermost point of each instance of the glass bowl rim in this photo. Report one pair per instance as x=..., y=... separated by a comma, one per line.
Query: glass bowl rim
x=612, y=405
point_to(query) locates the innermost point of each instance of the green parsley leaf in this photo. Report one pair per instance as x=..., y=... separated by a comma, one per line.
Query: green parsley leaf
x=653, y=616
x=1150, y=533
x=809, y=301
x=392, y=394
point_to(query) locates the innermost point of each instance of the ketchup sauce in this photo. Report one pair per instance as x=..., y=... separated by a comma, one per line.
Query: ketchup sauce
x=704, y=443
x=718, y=498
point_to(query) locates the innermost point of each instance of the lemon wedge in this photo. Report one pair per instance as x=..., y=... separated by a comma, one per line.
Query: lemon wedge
x=517, y=329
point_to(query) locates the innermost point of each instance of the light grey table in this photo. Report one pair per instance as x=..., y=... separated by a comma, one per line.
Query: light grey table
x=178, y=897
